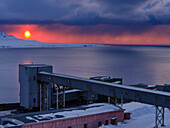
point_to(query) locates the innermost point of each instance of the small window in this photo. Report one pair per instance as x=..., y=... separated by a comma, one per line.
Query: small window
x=99, y=123
x=106, y=122
x=85, y=125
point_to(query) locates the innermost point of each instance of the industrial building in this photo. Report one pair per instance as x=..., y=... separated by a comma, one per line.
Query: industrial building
x=42, y=90
x=87, y=116
x=50, y=100
x=165, y=87
x=41, y=96
x=35, y=95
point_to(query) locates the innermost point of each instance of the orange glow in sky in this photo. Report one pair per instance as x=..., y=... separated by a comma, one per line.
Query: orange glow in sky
x=27, y=62
x=59, y=33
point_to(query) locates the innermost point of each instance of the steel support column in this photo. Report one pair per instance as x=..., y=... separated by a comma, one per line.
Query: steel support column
x=44, y=96
x=111, y=100
x=122, y=100
x=60, y=96
x=115, y=100
x=159, y=119
x=108, y=98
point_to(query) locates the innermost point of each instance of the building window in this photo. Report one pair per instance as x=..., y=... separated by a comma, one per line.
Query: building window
x=99, y=123
x=106, y=122
x=85, y=125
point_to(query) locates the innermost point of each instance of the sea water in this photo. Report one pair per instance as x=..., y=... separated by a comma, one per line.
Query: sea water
x=135, y=64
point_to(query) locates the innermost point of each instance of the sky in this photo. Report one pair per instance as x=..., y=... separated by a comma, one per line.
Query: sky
x=139, y=22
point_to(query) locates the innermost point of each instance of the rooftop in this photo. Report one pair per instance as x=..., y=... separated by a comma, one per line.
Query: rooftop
x=35, y=65
x=65, y=113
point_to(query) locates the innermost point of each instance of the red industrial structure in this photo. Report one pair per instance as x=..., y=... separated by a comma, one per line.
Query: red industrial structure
x=89, y=121
x=86, y=116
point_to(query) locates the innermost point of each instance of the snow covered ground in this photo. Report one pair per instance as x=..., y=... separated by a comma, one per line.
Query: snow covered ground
x=9, y=41
x=142, y=116
x=5, y=113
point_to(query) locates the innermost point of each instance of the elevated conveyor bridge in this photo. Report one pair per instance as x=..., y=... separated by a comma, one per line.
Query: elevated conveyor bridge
x=157, y=98
x=41, y=75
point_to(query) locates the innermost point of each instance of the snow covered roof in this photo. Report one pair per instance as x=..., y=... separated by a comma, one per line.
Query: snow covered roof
x=65, y=113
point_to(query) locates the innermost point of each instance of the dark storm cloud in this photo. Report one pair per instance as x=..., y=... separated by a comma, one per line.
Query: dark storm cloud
x=118, y=16
x=32, y=10
x=112, y=30
x=121, y=6
x=86, y=12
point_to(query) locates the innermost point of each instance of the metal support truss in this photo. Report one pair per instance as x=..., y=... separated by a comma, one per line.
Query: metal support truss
x=122, y=100
x=60, y=97
x=159, y=120
x=44, y=96
x=115, y=100
x=111, y=100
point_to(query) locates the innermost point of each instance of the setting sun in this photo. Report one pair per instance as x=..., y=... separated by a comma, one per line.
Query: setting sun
x=27, y=34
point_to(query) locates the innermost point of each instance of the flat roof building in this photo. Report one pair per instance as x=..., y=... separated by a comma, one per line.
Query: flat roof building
x=86, y=116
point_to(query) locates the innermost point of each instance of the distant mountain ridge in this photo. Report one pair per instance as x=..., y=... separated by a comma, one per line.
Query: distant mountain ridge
x=9, y=41
x=3, y=35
